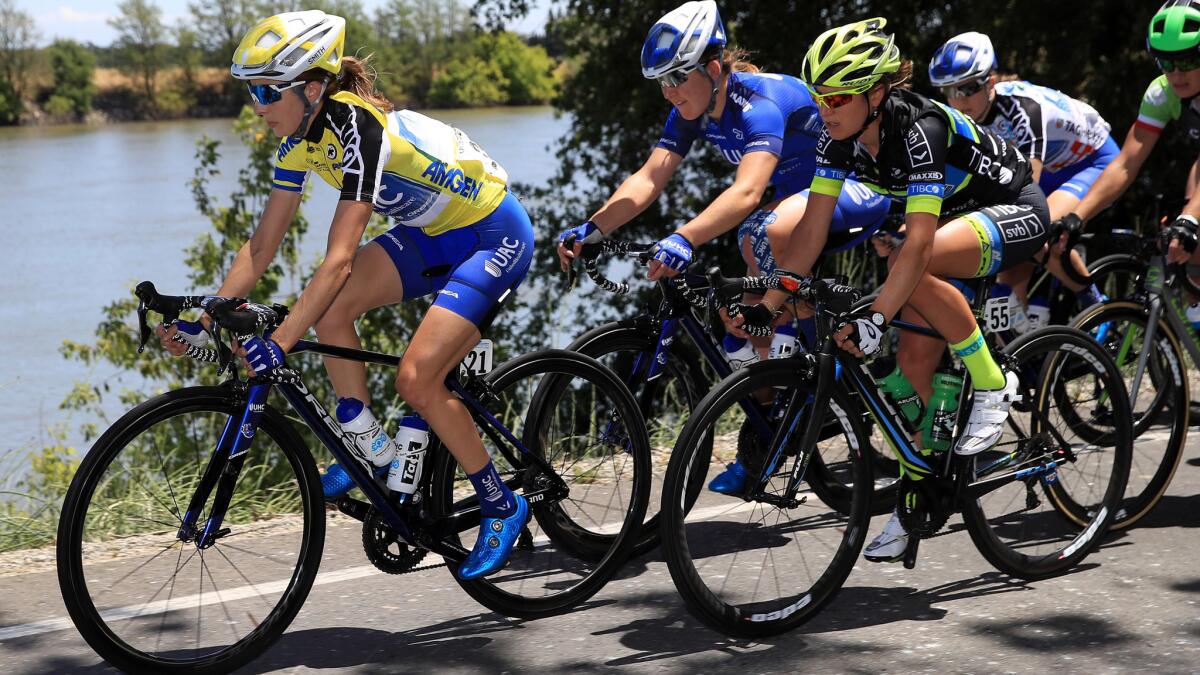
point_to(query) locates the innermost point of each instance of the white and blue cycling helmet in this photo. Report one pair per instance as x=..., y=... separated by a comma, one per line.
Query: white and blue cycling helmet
x=677, y=41
x=963, y=58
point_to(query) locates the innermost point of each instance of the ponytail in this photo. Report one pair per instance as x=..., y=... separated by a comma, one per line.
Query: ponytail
x=358, y=78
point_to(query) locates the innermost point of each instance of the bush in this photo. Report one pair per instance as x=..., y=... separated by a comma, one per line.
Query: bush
x=10, y=104
x=469, y=82
x=59, y=106
x=171, y=103
x=72, y=66
x=528, y=70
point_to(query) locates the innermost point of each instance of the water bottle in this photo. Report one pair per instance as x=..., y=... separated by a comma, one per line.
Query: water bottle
x=1193, y=316
x=739, y=351
x=901, y=392
x=1039, y=313
x=783, y=344
x=411, y=441
x=938, y=424
x=372, y=441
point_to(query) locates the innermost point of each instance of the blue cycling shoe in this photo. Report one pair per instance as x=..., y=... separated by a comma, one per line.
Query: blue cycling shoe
x=496, y=539
x=731, y=481
x=335, y=482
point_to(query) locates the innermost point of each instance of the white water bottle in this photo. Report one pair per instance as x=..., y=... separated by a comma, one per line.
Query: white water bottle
x=369, y=437
x=411, y=441
x=783, y=344
x=739, y=351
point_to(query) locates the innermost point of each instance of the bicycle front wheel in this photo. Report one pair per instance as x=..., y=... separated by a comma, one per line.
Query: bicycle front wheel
x=765, y=565
x=1059, y=485
x=142, y=593
x=1160, y=403
x=594, y=441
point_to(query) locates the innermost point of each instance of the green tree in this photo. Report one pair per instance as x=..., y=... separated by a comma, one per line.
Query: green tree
x=72, y=66
x=18, y=40
x=10, y=104
x=418, y=38
x=189, y=56
x=141, y=41
x=223, y=23
x=469, y=82
x=527, y=70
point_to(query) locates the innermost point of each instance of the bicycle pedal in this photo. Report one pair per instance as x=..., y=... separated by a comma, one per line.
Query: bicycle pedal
x=525, y=540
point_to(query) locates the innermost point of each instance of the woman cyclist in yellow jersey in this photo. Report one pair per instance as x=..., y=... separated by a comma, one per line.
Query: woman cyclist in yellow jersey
x=971, y=210
x=459, y=233
x=1173, y=39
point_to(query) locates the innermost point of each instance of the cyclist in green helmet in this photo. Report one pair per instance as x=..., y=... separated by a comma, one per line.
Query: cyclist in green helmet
x=1173, y=39
x=971, y=210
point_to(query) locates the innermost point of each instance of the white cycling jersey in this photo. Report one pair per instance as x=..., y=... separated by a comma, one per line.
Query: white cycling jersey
x=1045, y=124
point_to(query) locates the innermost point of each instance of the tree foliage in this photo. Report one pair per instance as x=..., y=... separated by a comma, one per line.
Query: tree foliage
x=18, y=39
x=72, y=66
x=141, y=41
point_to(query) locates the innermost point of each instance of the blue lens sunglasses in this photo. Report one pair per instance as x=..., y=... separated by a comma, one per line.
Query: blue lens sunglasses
x=266, y=94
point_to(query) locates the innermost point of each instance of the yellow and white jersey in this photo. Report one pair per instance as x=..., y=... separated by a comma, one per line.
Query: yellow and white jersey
x=411, y=168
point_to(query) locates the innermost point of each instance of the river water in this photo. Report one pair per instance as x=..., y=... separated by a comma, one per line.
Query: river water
x=87, y=212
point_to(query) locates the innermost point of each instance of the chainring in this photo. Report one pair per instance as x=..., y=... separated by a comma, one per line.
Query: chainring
x=920, y=513
x=384, y=548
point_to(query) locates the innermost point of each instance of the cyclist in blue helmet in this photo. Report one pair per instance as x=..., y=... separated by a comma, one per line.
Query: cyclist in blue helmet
x=1067, y=142
x=765, y=124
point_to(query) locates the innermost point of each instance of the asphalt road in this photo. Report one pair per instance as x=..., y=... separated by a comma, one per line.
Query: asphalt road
x=1131, y=606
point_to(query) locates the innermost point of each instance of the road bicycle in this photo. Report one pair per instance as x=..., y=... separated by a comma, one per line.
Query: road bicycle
x=1147, y=332
x=168, y=562
x=669, y=355
x=770, y=560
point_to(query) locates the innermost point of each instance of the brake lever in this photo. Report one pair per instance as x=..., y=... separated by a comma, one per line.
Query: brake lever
x=143, y=326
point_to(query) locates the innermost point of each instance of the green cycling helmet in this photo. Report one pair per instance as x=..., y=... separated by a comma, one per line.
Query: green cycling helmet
x=1175, y=29
x=851, y=58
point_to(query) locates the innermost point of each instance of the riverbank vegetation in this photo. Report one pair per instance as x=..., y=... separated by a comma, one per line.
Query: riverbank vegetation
x=427, y=54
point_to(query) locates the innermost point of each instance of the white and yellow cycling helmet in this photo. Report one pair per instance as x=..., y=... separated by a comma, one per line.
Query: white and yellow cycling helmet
x=284, y=46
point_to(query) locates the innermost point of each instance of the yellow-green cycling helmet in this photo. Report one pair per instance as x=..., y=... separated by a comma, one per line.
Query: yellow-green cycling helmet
x=1175, y=30
x=851, y=58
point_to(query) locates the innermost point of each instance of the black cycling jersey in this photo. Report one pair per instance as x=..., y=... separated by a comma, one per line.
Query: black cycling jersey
x=932, y=158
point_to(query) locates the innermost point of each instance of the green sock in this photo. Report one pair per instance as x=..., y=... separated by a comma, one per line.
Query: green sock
x=985, y=374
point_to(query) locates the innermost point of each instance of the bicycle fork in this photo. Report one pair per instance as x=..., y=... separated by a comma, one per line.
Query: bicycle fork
x=224, y=467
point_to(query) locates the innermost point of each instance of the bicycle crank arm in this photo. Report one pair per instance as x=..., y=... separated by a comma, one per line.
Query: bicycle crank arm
x=910, y=552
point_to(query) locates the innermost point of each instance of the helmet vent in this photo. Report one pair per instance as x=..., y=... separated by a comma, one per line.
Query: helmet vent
x=1191, y=25
x=268, y=40
x=1158, y=26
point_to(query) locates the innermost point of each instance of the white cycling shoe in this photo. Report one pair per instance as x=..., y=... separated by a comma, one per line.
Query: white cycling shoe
x=988, y=415
x=890, y=545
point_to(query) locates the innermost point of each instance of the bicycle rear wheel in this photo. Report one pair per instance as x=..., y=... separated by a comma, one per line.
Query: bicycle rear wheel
x=1059, y=489
x=148, y=601
x=1160, y=405
x=595, y=441
x=755, y=568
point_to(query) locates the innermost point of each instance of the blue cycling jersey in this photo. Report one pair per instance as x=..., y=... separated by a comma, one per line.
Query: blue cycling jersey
x=764, y=112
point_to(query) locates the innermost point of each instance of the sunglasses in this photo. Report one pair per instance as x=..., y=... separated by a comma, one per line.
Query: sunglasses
x=966, y=89
x=266, y=94
x=675, y=77
x=1169, y=65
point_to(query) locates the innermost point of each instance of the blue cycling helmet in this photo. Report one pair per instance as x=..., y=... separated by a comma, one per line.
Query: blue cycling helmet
x=963, y=58
x=677, y=41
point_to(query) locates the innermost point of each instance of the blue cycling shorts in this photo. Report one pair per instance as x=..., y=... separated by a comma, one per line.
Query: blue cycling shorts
x=472, y=269
x=858, y=214
x=1078, y=178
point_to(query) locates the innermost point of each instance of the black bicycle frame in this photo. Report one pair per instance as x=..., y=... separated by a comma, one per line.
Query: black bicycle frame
x=226, y=462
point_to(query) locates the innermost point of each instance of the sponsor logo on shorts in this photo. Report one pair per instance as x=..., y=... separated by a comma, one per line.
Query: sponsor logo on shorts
x=503, y=257
x=453, y=294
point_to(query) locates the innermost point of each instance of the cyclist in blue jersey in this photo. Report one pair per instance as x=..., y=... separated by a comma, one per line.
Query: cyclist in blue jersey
x=458, y=234
x=765, y=124
x=1067, y=142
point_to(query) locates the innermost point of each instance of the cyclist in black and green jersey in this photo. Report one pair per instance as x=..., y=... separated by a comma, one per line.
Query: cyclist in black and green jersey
x=1173, y=97
x=971, y=210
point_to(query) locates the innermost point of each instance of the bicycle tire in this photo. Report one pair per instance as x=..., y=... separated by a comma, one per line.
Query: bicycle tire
x=1107, y=273
x=77, y=595
x=1032, y=352
x=632, y=336
x=758, y=618
x=1172, y=397
x=598, y=555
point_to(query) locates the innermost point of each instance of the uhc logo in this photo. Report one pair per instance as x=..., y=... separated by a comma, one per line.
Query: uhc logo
x=453, y=180
x=508, y=251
